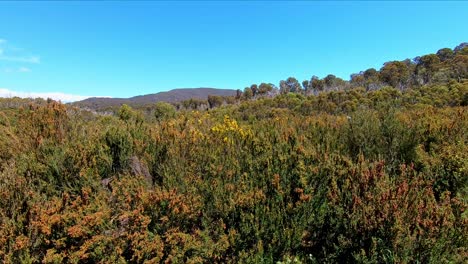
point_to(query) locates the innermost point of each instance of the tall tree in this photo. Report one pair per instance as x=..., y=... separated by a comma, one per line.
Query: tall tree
x=445, y=54
x=248, y=94
x=293, y=85
x=305, y=85
x=459, y=66
x=357, y=79
x=461, y=49
x=333, y=82
x=427, y=66
x=396, y=74
x=238, y=94
x=284, y=88
x=215, y=101
x=264, y=88
x=254, y=89
x=316, y=83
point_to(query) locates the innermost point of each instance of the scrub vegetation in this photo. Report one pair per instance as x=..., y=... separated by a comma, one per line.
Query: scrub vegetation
x=370, y=170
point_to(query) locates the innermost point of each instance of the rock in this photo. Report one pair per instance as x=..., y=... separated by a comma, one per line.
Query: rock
x=139, y=168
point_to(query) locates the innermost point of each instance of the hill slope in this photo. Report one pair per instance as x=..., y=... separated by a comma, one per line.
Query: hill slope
x=171, y=96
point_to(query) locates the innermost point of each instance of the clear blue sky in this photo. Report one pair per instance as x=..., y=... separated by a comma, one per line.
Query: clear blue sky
x=122, y=49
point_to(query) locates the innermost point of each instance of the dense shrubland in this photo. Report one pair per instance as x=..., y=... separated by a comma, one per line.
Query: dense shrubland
x=350, y=175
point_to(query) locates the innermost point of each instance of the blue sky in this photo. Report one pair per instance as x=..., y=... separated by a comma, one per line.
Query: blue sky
x=122, y=49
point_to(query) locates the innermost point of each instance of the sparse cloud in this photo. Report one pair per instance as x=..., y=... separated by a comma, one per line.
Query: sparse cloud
x=10, y=53
x=31, y=59
x=16, y=69
x=64, y=97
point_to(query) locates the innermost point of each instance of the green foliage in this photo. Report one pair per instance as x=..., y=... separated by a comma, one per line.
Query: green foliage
x=215, y=101
x=125, y=112
x=317, y=175
x=396, y=74
x=118, y=141
x=163, y=110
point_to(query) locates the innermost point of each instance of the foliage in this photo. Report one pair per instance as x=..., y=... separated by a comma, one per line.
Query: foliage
x=164, y=110
x=345, y=175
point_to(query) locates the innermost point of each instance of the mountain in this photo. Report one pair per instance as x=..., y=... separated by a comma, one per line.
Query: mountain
x=171, y=96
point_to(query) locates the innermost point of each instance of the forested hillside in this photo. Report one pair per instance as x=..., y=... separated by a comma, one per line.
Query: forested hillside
x=172, y=96
x=371, y=170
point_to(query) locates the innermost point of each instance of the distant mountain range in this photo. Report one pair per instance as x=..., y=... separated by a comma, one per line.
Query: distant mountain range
x=171, y=96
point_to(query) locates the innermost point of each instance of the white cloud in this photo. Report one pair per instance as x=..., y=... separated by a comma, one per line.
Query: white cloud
x=15, y=70
x=66, y=98
x=13, y=54
x=31, y=59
